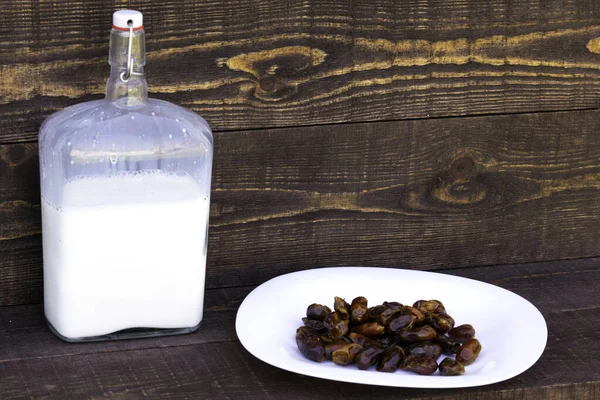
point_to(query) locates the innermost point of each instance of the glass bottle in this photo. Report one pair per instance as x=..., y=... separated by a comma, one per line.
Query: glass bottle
x=125, y=187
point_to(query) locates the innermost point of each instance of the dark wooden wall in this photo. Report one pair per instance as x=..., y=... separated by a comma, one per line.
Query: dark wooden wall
x=411, y=134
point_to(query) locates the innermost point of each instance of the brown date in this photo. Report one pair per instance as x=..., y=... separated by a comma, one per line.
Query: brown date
x=427, y=349
x=342, y=308
x=393, y=306
x=420, y=317
x=368, y=357
x=370, y=329
x=358, y=310
x=442, y=322
x=420, y=364
x=347, y=354
x=335, y=325
x=468, y=352
x=449, y=345
x=310, y=345
x=373, y=313
x=450, y=367
x=400, y=322
x=383, y=313
x=462, y=333
x=334, y=345
x=362, y=339
x=317, y=311
x=390, y=359
x=314, y=325
x=429, y=306
x=419, y=334
x=388, y=340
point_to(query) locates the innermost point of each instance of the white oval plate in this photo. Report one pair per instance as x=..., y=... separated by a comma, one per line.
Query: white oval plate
x=512, y=331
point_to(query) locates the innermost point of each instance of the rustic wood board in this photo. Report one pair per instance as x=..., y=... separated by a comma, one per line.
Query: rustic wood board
x=225, y=371
x=26, y=324
x=254, y=64
x=212, y=364
x=424, y=194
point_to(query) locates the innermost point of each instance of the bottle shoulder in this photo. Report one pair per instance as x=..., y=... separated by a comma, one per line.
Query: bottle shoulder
x=170, y=109
x=179, y=114
x=71, y=114
x=153, y=119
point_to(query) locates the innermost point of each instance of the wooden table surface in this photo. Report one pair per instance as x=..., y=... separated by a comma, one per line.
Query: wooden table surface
x=212, y=364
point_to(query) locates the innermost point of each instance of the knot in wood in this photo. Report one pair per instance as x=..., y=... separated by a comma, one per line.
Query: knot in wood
x=462, y=169
x=267, y=83
x=16, y=154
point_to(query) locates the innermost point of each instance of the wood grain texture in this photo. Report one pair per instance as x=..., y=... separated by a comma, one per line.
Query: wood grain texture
x=423, y=194
x=226, y=371
x=24, y=335
x=253, y=64
x=26, y=324
x=211, y=364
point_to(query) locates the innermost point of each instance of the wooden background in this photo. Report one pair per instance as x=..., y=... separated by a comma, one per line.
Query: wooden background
x=460, y=135
x=408, y=134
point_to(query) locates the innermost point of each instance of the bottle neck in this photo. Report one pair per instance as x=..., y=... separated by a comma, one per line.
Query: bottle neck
x=127, y=86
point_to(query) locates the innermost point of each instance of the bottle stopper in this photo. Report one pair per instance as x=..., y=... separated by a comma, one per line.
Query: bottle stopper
x=122, y=19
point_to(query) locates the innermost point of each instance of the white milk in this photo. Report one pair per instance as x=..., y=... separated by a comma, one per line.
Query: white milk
x=125, y=251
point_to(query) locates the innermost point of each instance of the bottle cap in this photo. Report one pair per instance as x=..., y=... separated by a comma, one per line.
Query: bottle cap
x=122, y=18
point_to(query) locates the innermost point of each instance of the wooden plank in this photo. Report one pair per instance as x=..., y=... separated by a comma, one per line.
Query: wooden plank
x=424, y=194
x=21, y=270
x=565, y=292
x=252, y=64
x=24, y=334
x=226, y=371
x=568, y=286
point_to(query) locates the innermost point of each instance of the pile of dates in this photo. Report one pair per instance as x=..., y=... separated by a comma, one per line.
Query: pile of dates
x=389, y=336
